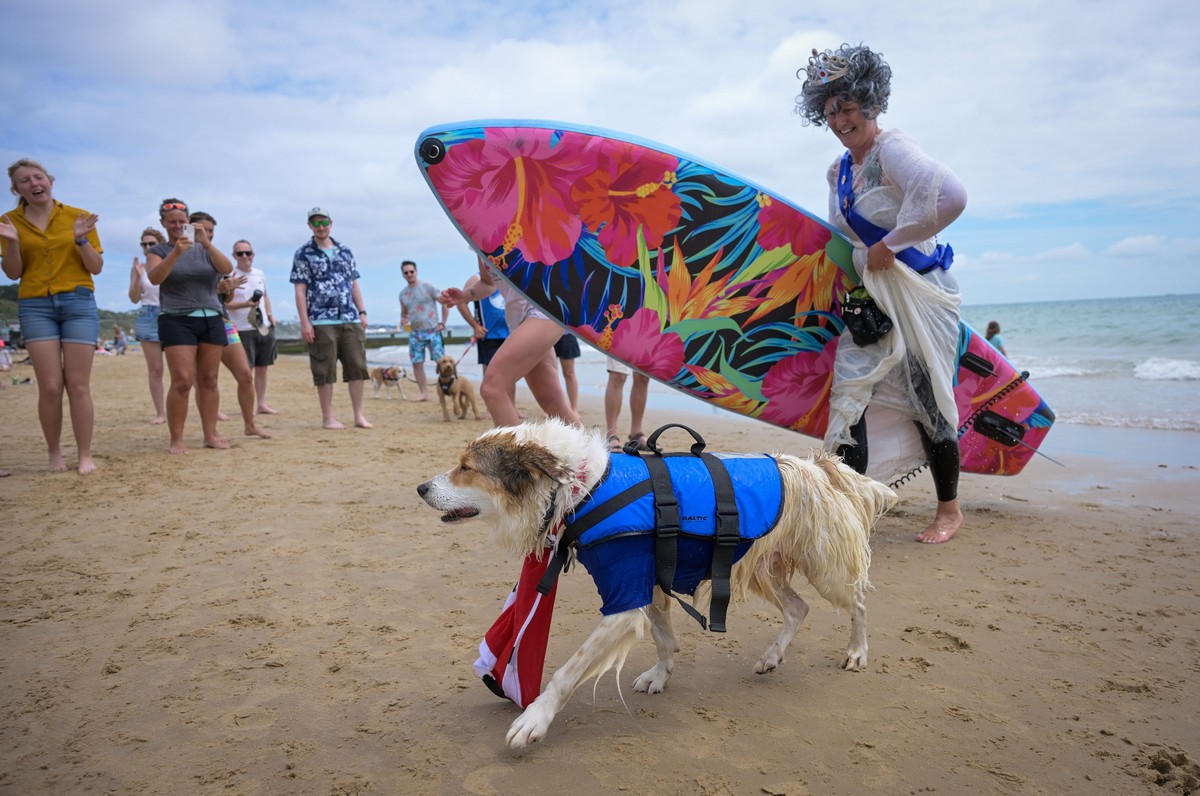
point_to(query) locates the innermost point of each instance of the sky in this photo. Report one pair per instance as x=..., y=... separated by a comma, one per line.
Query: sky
x=1072, y=124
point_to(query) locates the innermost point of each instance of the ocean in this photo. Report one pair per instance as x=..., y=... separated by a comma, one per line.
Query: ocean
x=1120, y=363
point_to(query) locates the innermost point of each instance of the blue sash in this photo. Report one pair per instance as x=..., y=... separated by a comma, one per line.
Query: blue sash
x=870, y=234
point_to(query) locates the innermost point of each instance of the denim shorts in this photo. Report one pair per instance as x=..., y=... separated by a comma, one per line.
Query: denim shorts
x=146, y=329
x=69, y=317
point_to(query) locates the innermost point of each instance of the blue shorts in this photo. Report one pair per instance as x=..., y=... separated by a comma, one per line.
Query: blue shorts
x=487, y=348
x=567, y=347
x=146, y=329
x=69, y=317
x=417, y=341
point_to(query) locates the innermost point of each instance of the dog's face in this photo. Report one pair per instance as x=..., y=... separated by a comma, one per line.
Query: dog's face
x=446, y=368
x=392, y=374
x=496, y=474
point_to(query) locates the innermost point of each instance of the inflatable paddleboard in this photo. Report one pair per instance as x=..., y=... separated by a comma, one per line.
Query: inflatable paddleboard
x=696, y=277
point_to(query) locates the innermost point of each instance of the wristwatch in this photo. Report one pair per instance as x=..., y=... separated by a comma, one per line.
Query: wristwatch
x=80, y=241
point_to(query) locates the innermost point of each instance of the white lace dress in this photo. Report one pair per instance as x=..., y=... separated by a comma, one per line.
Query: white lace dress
x=911, y=370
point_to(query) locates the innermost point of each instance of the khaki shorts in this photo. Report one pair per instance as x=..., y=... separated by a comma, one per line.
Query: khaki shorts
x=338, y=342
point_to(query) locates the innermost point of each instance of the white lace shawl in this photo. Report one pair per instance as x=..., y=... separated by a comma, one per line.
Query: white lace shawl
x=899, y=188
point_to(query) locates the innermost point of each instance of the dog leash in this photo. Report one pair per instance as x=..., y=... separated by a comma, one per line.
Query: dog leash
x=464, y=353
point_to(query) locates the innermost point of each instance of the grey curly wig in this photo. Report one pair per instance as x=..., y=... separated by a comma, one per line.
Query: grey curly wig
x=869, y=83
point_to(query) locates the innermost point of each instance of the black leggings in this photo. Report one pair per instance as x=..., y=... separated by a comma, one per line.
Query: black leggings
x=943, y=458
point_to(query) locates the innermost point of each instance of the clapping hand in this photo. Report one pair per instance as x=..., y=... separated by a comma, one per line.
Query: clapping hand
x=7, y=230
x=85, y=223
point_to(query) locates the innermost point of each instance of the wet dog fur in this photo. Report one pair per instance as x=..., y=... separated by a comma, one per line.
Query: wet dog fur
x=508, y=476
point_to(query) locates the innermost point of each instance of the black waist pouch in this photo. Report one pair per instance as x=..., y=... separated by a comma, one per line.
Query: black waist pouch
x=863, y=318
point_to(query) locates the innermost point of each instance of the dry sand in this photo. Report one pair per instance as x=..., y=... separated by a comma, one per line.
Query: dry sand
x=288, y=617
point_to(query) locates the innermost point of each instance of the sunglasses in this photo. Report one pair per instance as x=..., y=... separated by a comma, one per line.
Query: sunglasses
x=146, y=245
x=174, y=206
x=408, y=273
x=243, y=254
x=324, y=223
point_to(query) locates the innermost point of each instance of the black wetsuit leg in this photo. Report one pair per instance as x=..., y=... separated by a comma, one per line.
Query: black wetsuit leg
x=943, y=464
x=856, y=455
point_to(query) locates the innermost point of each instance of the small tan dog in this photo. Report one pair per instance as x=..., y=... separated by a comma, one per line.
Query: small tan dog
x=455, y=389
x=386, y=379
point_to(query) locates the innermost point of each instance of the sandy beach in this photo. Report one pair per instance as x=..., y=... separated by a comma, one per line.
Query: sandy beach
x=287, y=617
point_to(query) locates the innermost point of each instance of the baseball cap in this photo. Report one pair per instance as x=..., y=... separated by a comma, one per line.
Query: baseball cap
x=319, y=211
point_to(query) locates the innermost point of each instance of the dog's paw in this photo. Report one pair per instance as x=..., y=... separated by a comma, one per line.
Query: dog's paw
x=769, y=661
x=530, y=727
x=653, y=680
x=856, y=660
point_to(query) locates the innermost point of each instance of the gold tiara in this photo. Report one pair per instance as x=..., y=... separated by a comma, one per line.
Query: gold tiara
x=827, y=67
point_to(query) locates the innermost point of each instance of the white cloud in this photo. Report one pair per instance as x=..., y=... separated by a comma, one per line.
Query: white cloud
x=256, y=111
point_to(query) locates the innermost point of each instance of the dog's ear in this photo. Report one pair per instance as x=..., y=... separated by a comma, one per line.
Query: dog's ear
x=518, y=466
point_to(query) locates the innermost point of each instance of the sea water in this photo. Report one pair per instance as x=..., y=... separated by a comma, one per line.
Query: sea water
x=1124, y=363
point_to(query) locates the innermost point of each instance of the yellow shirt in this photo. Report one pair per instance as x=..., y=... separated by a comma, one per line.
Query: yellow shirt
x=50, y=259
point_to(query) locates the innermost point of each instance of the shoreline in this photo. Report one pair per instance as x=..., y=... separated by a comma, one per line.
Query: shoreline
x=287, y=616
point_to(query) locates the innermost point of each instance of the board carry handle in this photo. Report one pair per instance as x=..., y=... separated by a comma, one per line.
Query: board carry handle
x=697, y=446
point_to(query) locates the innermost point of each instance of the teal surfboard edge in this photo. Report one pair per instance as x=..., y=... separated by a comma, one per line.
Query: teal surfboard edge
x=838, y=250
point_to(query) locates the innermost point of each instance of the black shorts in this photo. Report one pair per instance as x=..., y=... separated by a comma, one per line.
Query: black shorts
x=191, y=330
x=487, y=348
x=567, y=347
x=260, y=350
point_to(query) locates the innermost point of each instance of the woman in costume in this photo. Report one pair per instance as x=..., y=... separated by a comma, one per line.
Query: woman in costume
x=55, y=252
x=891, y=200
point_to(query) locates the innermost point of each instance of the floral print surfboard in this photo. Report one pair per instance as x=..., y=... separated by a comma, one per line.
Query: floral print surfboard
x=695, y=277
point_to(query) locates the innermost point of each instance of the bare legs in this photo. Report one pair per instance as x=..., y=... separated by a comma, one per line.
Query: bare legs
x=58, y=368
x=154, y=375
x=528, y=353
x=325, y=396
x=234, y=358
x=260, y=391
x=422, y=387
x=194, y=366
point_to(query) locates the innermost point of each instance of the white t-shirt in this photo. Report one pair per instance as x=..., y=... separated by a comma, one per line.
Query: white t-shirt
x=255, y=280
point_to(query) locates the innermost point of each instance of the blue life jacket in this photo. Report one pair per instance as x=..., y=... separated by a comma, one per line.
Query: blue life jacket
x=622, y=521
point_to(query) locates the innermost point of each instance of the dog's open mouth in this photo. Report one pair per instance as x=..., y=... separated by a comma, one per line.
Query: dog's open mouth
x=455, y=515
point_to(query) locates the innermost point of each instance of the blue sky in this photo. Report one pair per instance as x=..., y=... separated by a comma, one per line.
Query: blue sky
x=1073, y=125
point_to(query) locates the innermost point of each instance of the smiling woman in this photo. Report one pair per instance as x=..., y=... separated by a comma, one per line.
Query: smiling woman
x=891, y=200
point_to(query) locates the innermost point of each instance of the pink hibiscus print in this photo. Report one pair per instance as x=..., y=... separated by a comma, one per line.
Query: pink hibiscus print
x=781, y=224
x=630, y=189
x=797, y=390
x=640, y=341
x=512, y=190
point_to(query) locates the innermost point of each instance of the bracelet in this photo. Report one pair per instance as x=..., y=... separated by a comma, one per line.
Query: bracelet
x=80, y=241
x=361, y=312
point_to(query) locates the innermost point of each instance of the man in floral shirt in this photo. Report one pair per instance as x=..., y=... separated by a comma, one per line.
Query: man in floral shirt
x=419, y=312
x=333, y=319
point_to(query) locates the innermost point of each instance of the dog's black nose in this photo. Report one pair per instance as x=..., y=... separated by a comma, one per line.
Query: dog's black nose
x=422, y=489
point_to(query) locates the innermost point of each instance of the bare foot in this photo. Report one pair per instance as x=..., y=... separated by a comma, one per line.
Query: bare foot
x=521, y=415
x=86, y=465
x=217, y=443
x=266, y=410
x=334, y=424
x=947, y=522
x=419, y=398
x=221, y=416
x=178, y=448
x=362, y=422
x=158, y=421
x=255, y=431
x=5, y=473
x=57, y=463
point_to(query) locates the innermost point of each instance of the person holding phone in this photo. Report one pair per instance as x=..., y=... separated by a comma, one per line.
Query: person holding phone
x=144, y=294
x=54, y=251
x=250, y=311
x=191, y=323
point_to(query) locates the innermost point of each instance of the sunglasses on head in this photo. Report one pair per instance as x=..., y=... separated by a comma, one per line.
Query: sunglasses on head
x=243, y=254
x=324, y=223
x=174, y=206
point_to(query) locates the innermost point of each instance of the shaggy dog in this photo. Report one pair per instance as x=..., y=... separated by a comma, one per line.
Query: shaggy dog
x=526, y=480
x=454, y=391
x=388, y=378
